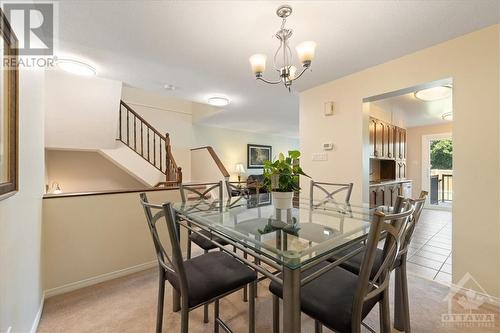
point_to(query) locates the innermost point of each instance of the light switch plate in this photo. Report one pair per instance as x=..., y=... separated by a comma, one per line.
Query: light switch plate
x=320, y=157
x=329, y=108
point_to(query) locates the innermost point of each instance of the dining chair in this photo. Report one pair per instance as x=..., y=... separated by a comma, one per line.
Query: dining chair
x=401, y=310
x=339, y=299
x=199, y=281
x=240, y=188
x=330, y=190
x=202, y=191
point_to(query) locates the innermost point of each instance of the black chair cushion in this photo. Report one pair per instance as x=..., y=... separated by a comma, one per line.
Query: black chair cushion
x=211, y=275
x=204, y=243
x=353, y=264
x=329, y=298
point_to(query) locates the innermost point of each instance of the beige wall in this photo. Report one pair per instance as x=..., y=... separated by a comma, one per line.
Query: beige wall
x=414, y=156
x=21, y=216
x=79, y=171
x=92, y=238
x=168, y=115
x=472, y=61
x=231, y=145
x=80, y=112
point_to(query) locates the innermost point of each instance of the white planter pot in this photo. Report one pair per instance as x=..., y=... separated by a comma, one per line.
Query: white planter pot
x=282, y=200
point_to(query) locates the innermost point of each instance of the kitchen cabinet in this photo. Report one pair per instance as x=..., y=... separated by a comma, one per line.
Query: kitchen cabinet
x=386, y=195
x=377, y=197
x=386, y=140
x=391, y=192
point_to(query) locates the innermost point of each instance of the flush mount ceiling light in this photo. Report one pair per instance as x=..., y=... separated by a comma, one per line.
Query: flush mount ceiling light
x=170, y=87
x=75, y=67
x=218, y=101
x=447, y=116
x=433, y=94
x=283, y=56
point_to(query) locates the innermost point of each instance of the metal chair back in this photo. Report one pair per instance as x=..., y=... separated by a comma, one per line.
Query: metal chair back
x=418, y=205
x=202, y=190
x=388, y=228
x=330, y=190
x=174, y=263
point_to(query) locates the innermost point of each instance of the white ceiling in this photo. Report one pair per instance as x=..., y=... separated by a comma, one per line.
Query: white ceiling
x=203, y=46
x=416, y=112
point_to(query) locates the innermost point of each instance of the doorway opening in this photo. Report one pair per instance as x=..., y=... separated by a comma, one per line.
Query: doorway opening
x=409, y=149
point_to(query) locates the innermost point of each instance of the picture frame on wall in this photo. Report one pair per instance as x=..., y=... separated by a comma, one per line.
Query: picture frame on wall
x=257, y=154
x=9, y=132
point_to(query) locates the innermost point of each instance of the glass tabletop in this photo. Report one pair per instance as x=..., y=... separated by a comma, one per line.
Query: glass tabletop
x=291, y=237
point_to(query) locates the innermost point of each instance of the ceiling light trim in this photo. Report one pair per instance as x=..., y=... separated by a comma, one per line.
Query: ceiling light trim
x=77, y=67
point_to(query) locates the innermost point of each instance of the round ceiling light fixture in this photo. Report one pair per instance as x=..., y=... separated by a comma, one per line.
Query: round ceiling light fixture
x=76, y=67
x=218, y=101
x=170, y=87
x=447, y=116
x=434, y=93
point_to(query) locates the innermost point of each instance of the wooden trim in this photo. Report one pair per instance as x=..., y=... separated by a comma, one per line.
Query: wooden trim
x=94, y=193
x=216, y=159
x=7, y=36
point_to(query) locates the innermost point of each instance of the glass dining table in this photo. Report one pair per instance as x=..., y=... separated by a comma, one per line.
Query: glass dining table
x=282, y=243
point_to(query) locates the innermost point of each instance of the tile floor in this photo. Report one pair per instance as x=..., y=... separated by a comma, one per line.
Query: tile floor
x=430, y=249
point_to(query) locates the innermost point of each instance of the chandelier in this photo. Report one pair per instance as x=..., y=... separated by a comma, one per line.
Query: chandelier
x=282, y=61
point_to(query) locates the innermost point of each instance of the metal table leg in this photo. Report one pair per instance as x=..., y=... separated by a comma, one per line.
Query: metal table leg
x=291, y=300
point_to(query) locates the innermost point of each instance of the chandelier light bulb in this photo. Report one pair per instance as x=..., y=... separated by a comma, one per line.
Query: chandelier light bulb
x=258, y=63
x=305, y=52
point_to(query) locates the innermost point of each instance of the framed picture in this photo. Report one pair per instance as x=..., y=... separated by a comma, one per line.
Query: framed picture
x=257, y=154
x=8, y=112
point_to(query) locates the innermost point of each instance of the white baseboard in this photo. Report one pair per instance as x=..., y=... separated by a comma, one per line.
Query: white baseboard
x=98, y=279
x=34, y=327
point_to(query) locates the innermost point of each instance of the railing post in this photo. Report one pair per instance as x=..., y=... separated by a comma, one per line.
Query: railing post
x=179, y=175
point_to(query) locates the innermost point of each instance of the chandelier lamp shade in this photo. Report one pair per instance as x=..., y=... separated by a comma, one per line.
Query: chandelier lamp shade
x=282, y=61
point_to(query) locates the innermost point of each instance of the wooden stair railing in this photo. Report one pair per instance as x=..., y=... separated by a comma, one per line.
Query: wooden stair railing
x=216, y=159
x=137, y=134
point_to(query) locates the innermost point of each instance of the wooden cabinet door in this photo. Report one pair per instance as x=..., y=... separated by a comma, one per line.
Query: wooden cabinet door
x=403, y=143
x=372, y=128
x=379, y=138
x=389, y=143
x=377, y=197
x=397, y=142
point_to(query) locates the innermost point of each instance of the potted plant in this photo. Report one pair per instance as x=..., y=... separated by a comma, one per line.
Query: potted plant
x=281, y=178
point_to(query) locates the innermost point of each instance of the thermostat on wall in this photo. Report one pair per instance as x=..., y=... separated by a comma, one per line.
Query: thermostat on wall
x=328, y=146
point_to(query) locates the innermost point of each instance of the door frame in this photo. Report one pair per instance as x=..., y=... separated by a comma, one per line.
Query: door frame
x=426, y=168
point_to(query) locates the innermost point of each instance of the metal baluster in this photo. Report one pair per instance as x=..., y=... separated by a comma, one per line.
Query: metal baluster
x=128, y=127
x=154, y=149
x=135, y=133
x=160, y=156
x=148, y=144
x=142, y=139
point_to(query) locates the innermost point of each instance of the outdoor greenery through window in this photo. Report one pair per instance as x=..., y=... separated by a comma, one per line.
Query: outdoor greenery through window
x=441, y=159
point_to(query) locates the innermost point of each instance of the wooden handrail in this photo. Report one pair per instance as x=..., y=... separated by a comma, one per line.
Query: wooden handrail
x=216, y=159
x=93, y=193
x=165, y=162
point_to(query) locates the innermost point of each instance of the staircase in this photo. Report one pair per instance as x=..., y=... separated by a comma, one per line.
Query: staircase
x=137, y=134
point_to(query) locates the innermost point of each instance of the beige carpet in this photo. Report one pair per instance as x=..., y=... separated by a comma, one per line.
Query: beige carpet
x=128, y=304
